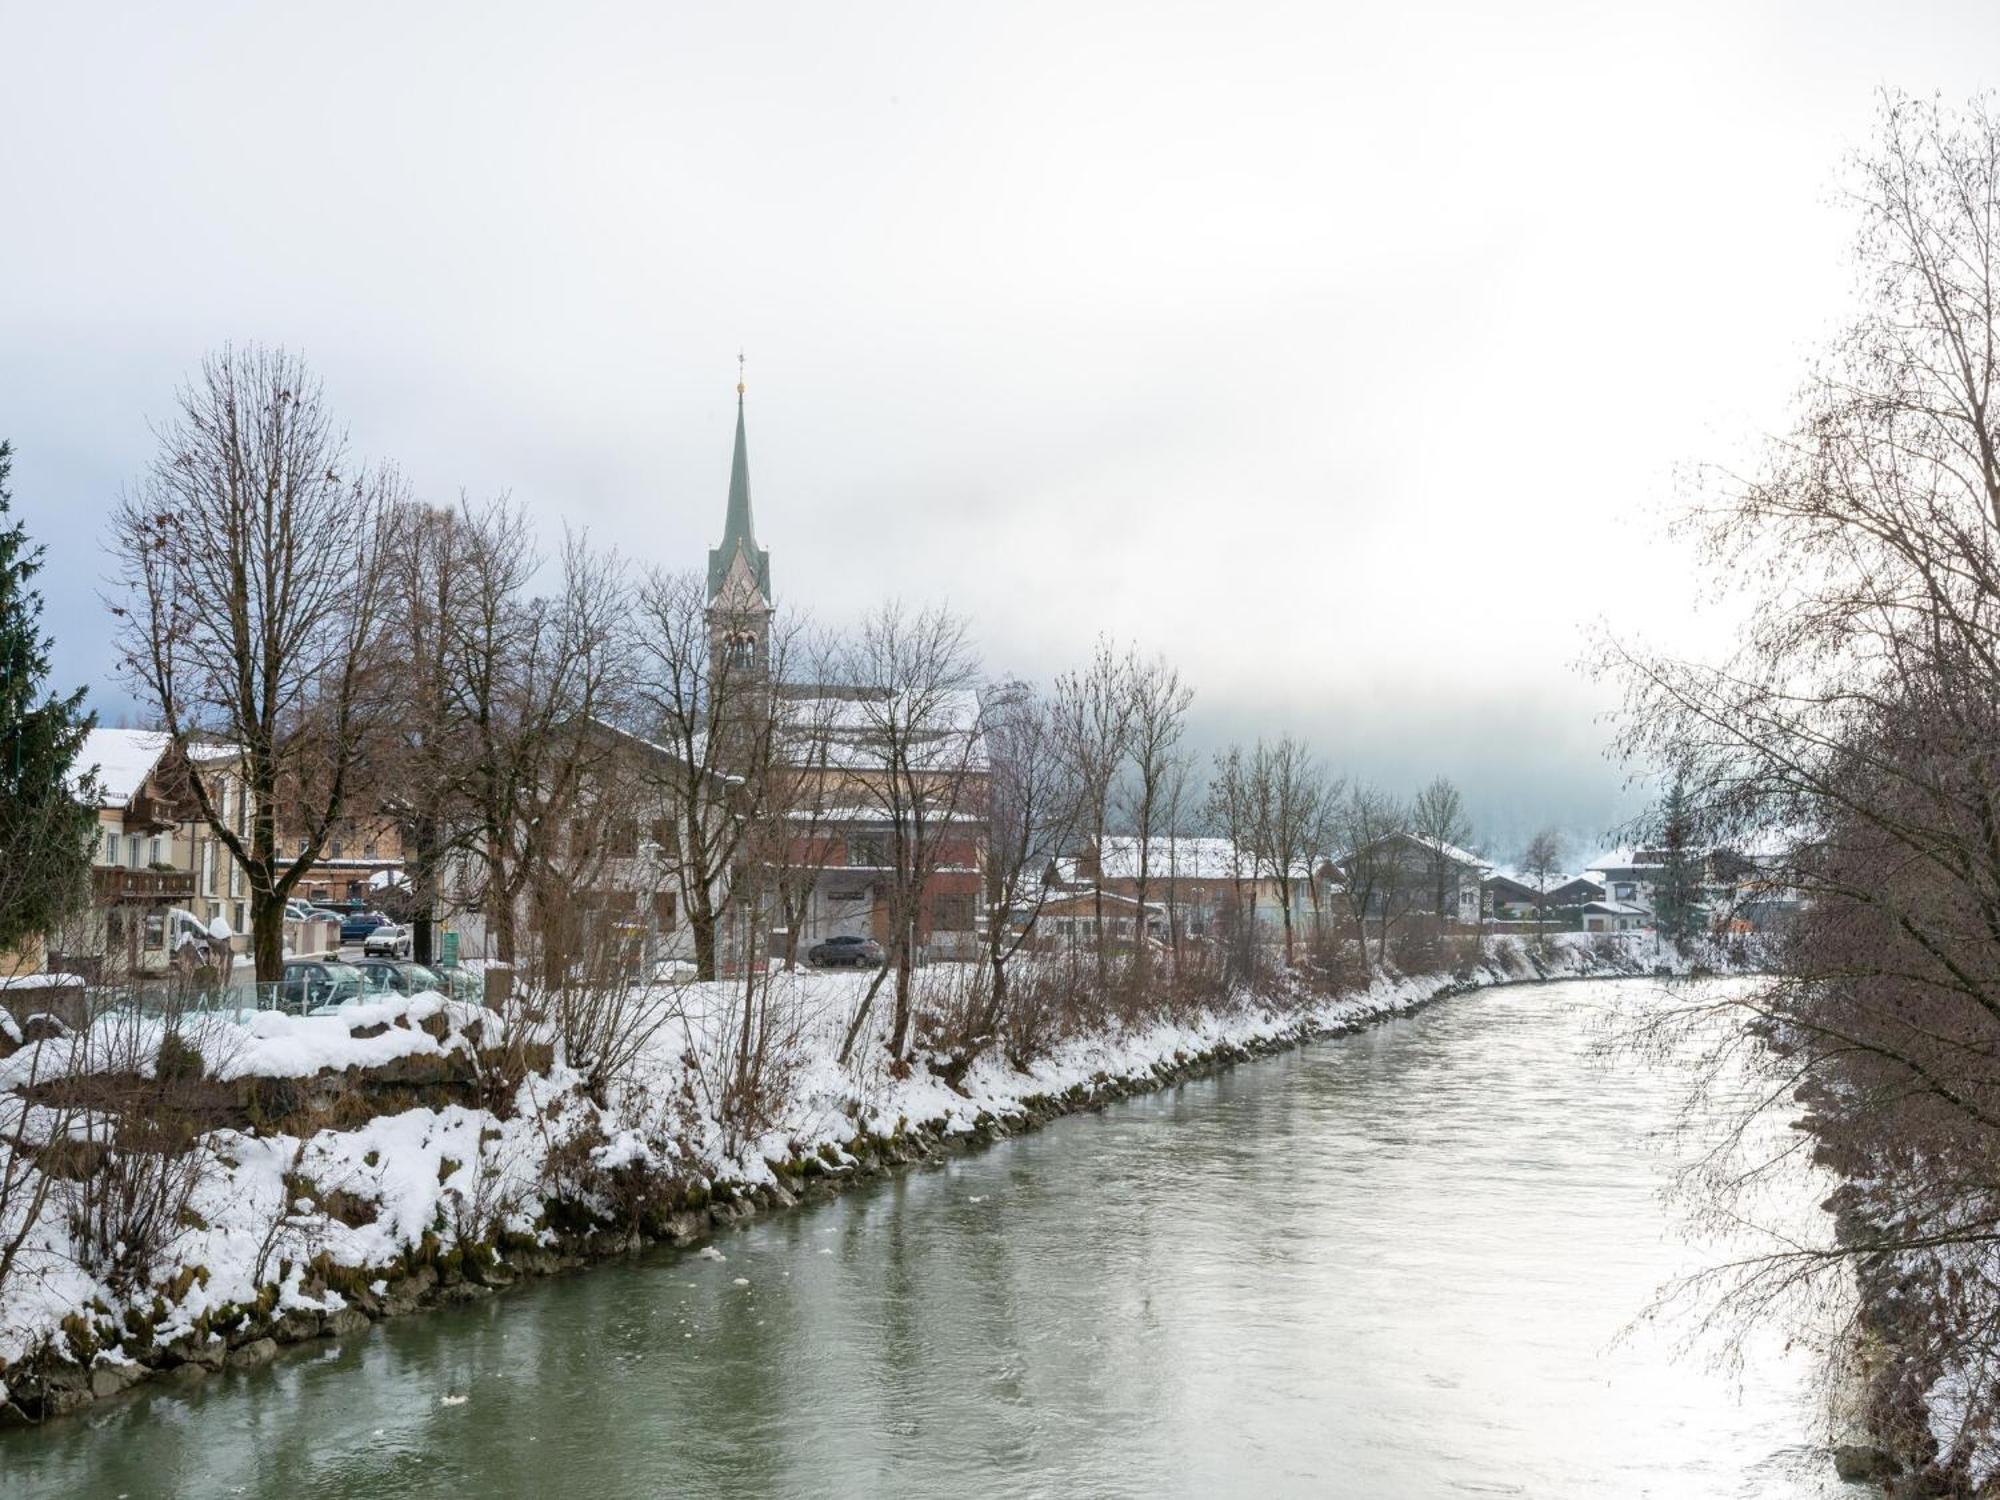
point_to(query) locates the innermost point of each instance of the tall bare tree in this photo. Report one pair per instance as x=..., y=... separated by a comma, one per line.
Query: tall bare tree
x=1093, y=716
x=252, y=608
x=715, y=711
x=1158, y=705
x=420, y=780
x=921, y=768
x=1287, y=791
x=534, y=678
x=1230, y=812
x=1371, y=865
x=1541, y=862
x=1033, y=806
x=1438, y=820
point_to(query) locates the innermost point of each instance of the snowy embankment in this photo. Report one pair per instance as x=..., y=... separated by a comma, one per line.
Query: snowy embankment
x=377, y=1161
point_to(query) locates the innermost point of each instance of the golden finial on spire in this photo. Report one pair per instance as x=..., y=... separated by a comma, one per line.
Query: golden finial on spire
x=739, y=372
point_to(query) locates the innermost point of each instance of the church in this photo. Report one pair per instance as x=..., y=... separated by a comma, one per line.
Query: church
x=874, y=783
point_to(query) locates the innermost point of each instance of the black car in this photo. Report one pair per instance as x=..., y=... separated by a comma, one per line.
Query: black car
x=854, y=952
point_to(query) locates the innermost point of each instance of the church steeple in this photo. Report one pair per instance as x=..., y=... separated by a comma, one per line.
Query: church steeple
x=739, y=533
x=739, y=574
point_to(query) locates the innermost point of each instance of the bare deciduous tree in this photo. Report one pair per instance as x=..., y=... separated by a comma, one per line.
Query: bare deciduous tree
x=534, y=680
x=1093, y=716
x=1287, y=792
x=1033, y=806
x=1372, y=865
x=1851, y=738
x=914, y=676
x=252, y=614
x=714, y=710
x=1541, y=862
x=1159, y=703
x=1439, y=821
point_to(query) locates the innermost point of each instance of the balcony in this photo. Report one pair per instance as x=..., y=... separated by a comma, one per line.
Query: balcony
x=149, y=813
x=112, y=885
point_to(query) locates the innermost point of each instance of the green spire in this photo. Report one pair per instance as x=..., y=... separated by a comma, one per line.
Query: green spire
x=738, y=533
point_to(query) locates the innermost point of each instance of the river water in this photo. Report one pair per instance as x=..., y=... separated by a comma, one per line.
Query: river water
x=1406, y=1263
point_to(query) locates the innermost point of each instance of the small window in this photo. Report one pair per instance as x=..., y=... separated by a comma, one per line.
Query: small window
x=664, y=909
x=111, y=849
x=953, y=913
x=156, y=931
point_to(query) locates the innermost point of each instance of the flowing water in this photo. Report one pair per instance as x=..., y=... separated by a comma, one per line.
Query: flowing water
x=1407, y=1263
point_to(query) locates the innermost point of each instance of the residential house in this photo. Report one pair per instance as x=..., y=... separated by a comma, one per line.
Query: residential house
x=1405, y=882
x=1613, y=916
x=140, y=919
x=1201, y=883
x=1510, y=898
x=1068, y=922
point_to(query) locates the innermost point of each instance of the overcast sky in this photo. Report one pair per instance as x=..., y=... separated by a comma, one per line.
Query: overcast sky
x=1344, y=353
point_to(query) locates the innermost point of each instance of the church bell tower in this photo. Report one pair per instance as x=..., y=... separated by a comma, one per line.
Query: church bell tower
x=739, y=574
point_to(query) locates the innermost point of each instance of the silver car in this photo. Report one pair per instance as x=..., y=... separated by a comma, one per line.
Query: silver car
x=390, y=940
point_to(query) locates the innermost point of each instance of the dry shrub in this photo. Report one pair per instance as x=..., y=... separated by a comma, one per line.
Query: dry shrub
x=755, y=1045
x=126, y=1214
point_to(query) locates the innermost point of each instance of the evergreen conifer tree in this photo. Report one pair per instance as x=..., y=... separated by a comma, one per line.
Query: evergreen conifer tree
x=47, y=819
x=1677, y=899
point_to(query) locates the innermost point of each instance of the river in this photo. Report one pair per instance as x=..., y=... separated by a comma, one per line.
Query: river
x=1406, y=1263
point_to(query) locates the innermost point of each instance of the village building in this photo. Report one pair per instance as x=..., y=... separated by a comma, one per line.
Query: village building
x=1613, y=916
x=1070, y=921
x=141, y=920
x=1510, y=898
x=1405, y=884
x=1200, y=884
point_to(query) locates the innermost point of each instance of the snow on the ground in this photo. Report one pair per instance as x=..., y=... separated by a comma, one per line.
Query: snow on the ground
x=466, y=1174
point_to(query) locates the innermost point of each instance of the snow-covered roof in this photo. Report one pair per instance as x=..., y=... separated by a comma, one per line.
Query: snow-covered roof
x=1622, y=859
x=854, y=728
x=1450, y=851
x=1617, y=908
x=1194, y=858
x=1183, y=857
x=121, y=759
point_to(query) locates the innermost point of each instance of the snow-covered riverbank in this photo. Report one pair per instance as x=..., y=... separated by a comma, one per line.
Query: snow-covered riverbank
x=363, y=1176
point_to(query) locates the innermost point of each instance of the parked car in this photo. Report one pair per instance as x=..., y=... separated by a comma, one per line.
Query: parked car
x=851, y=951
x=318, y=986
x=355, y=926
x=400, y=976
x=390, y=940
x=300, y=911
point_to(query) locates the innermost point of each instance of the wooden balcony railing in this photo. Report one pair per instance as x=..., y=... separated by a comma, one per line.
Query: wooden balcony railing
x=142, y=885
x=153, y=814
